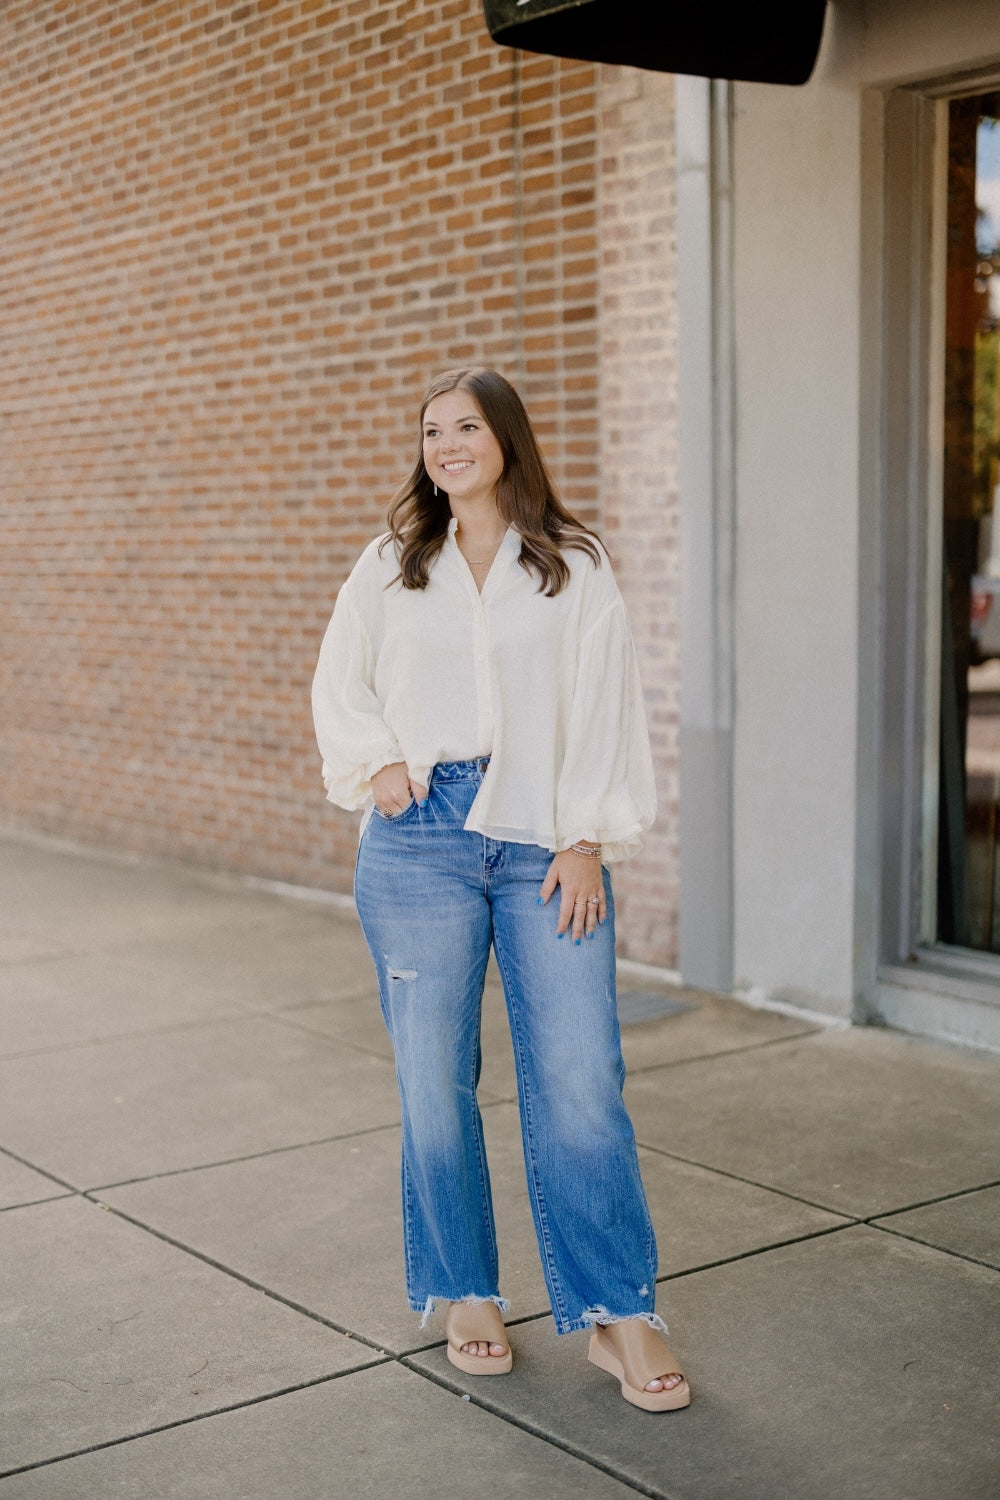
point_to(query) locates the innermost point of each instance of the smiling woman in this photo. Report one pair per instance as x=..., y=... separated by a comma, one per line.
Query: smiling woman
x=477, y=694
x=508, y=484
x=460, y=452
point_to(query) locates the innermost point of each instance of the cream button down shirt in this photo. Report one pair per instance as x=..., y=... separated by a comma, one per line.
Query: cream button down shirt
x=548, y=688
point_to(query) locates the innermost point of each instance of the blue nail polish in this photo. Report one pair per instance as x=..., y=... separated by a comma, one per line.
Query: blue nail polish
x=540, y=901
x=576, y=942
x=424, y=802
x=560, y=934
x=590, y=934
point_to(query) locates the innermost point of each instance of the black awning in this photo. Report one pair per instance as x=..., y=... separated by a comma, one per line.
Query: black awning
x=757, y=41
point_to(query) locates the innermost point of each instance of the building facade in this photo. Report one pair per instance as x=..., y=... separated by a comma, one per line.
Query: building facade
x=839, y=441
x=758, y=326
x=239, y=240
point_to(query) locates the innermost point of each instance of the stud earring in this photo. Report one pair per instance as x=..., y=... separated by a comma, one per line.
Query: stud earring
x=435, y=492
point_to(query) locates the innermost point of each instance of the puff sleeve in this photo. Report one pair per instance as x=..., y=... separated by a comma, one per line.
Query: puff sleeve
x=606, y=791
x=354, y=739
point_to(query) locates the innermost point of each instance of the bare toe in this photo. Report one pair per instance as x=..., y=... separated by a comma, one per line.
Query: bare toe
x=484, y=1350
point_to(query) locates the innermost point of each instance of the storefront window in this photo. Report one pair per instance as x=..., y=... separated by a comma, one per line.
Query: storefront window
x=968, y=907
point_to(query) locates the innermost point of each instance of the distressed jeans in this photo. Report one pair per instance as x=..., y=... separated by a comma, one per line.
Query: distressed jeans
x=432, y=899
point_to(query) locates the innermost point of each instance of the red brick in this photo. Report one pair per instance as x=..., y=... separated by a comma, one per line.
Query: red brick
x=239, y=241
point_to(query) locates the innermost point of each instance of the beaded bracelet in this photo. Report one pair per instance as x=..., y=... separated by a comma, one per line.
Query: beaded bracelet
x=591, y=853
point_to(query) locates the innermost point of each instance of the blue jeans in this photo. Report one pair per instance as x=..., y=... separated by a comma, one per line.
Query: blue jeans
x=432, y=898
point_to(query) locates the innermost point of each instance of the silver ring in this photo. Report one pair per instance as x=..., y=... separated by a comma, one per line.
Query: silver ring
x=593, y=901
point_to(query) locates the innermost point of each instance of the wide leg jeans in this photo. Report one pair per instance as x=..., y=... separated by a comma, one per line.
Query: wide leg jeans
x=432, y=898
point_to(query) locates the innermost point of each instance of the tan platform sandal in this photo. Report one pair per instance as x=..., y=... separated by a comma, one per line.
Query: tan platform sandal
x=636, y=1354
x=477, y=1323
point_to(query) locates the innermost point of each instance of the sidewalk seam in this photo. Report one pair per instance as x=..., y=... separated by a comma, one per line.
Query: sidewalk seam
x=529, y=1427
x=219, y=1411
x=239, y=1276
x=243, y=1013
x=41, y=1171
x=690, y=1161
x=699, y=1057
x=730, y=1260
x=232, y=1161
x=870, y=1219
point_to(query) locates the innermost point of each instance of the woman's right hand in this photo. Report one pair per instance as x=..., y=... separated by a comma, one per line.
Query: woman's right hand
x=393, y=790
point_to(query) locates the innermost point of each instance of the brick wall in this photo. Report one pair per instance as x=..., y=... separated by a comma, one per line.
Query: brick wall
x=238, y=241
x=638, y=455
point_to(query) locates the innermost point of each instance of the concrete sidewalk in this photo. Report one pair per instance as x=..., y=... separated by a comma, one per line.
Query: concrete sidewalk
x=201, y=1264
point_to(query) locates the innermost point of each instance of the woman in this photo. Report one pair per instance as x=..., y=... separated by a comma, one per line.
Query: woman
x=477, y=693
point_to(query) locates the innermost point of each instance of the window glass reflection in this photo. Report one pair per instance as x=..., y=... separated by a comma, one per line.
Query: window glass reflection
x=970, y=673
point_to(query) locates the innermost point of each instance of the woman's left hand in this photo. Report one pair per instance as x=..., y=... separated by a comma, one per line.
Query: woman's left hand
x=582, y=902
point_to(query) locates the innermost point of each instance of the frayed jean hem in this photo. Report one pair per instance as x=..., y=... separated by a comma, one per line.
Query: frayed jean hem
x=426, y=1309
x=598, y=1316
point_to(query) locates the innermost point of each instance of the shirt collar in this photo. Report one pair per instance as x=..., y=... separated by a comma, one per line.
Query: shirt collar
x=509, y=535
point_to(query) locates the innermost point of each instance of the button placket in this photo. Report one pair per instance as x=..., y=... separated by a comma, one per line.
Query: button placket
x=484, y=687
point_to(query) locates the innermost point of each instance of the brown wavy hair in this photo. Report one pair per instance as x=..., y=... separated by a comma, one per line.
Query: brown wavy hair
x=526, y=496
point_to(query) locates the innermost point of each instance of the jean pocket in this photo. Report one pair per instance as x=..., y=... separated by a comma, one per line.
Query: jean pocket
x=398, y=817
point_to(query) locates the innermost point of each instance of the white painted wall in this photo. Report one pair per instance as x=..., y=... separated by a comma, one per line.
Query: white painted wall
x=802, y=376
x=796, y=238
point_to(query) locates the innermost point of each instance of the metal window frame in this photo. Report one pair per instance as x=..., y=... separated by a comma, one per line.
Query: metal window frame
x=916, y=979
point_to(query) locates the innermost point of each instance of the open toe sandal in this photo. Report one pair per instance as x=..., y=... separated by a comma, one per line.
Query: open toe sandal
x=477, y=1323
x=638, y=1356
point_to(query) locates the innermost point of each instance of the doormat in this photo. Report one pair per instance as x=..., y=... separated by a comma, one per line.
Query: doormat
x=648, y=1005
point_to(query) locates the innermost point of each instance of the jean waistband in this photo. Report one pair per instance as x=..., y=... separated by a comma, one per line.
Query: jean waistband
x=460, y=770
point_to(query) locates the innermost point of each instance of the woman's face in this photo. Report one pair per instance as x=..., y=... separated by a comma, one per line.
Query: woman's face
x=461, y=455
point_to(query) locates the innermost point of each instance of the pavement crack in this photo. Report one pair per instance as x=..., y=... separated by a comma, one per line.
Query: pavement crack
x=117, y=1322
